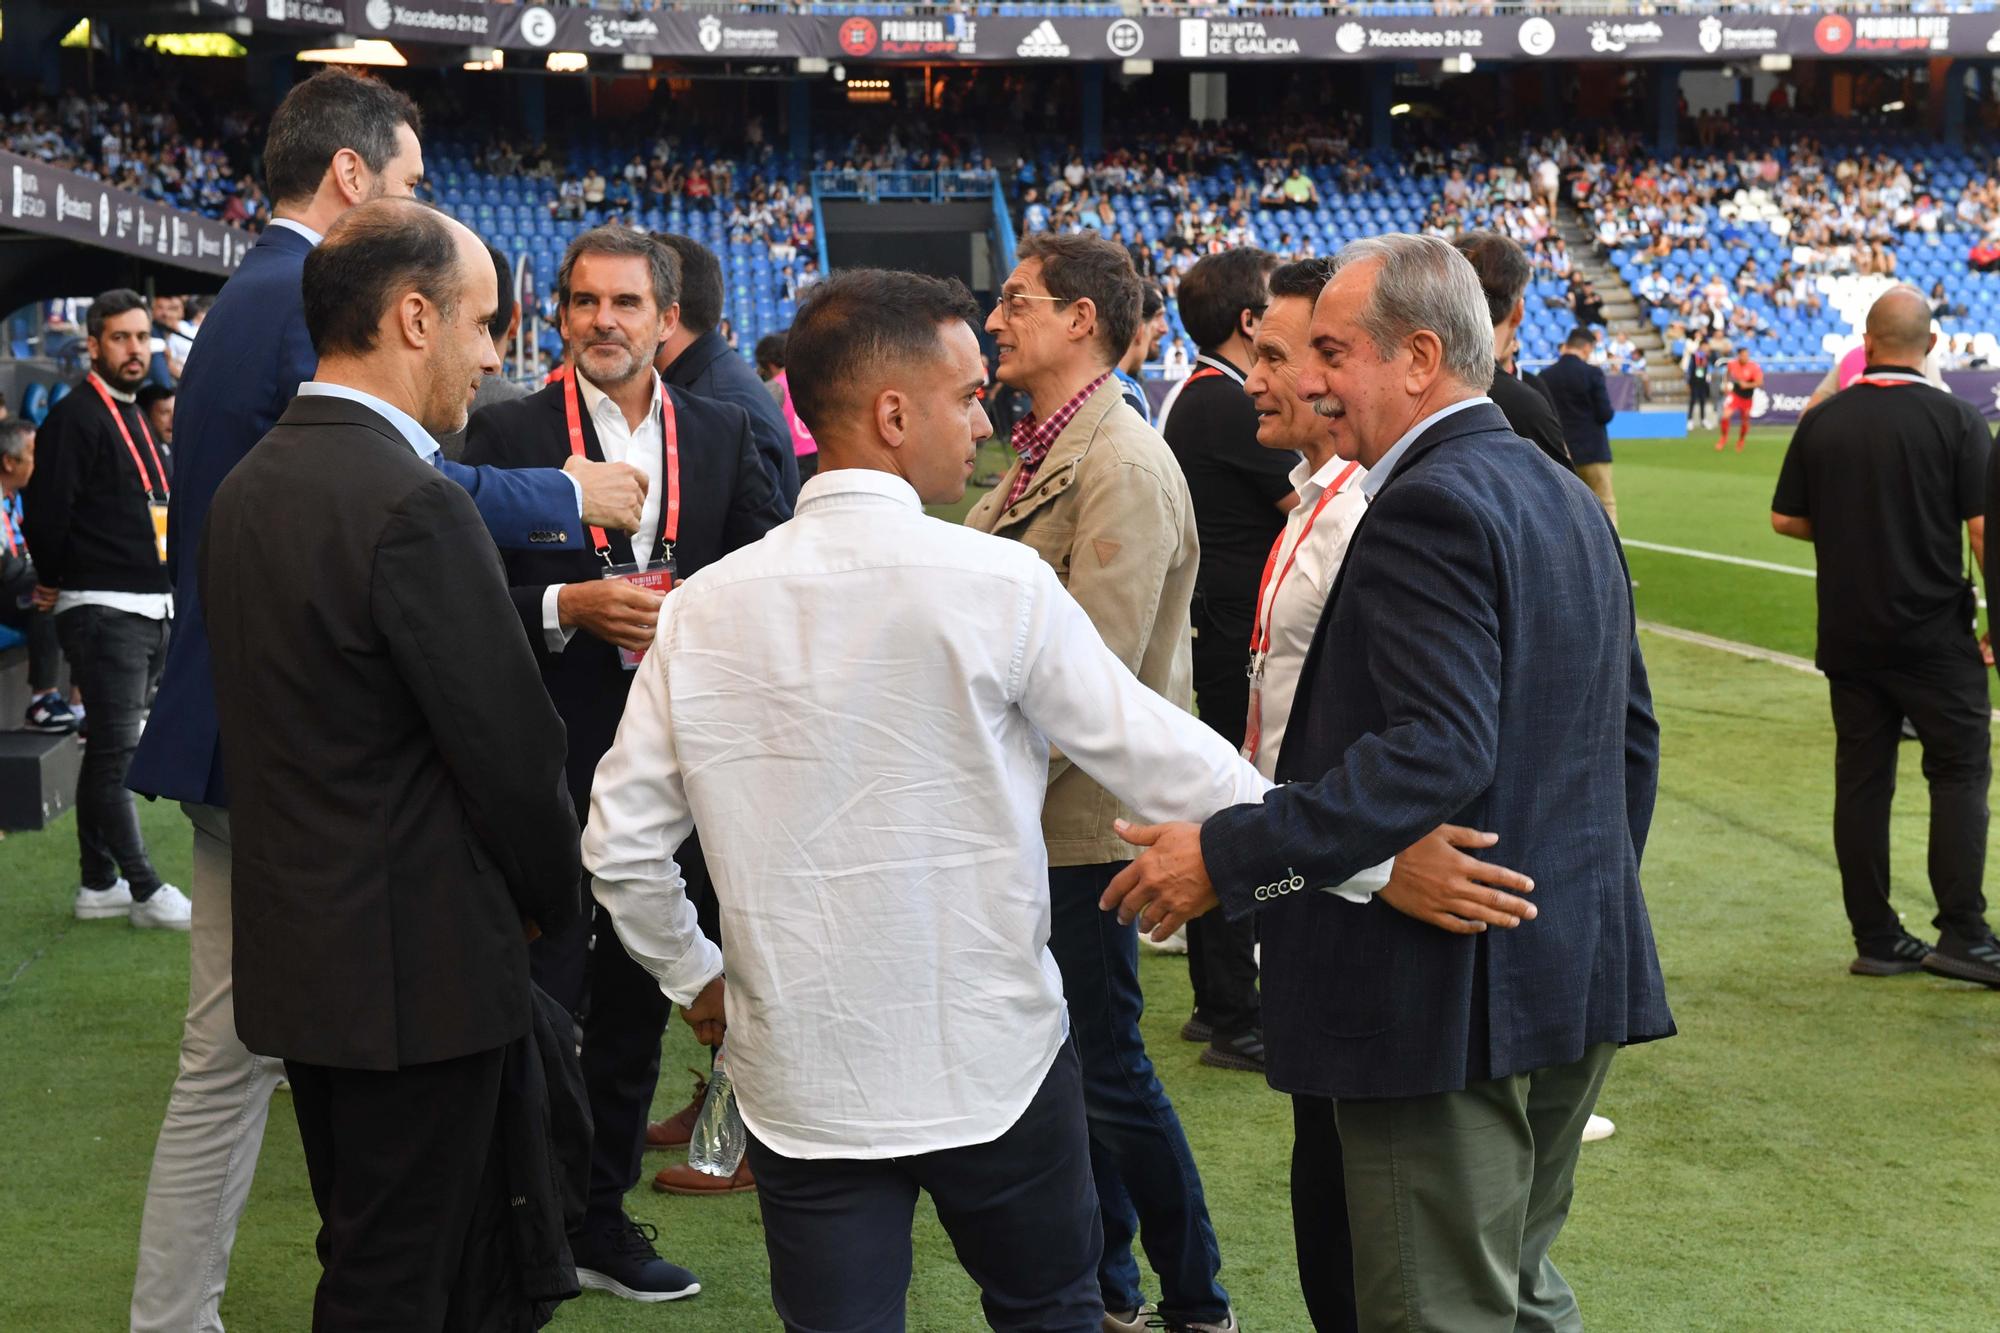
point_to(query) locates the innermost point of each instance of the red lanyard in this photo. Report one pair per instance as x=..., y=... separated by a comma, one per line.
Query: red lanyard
x=125, y=432
x=1206, y=372
x=670, y=443
x=1260, y=630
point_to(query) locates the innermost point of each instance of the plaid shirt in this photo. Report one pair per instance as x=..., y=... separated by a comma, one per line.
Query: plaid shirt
x=1033, y=439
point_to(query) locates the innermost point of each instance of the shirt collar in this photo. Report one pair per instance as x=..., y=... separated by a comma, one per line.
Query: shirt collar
x=1220, y=363
x=413, y=434
x=1309, y=483
x=825, y=487
x=595, y=399
x=1378, y=476
x=301, y=228
x=1034, y=437
x=117, y=392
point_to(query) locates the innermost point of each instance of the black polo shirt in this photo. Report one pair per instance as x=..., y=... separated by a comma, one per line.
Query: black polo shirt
x=1235, y=482
x=1889, y=470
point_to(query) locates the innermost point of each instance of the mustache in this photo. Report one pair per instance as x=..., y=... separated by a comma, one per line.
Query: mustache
x=1330, y=408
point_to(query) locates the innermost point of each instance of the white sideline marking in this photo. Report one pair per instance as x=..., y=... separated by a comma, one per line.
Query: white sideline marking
x=1749, y=650
x=1743, y=560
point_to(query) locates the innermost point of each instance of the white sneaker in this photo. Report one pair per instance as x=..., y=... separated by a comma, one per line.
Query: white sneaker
x=167, y=909
x=1595, y=1129
x=1175, y=943
x=103, y=904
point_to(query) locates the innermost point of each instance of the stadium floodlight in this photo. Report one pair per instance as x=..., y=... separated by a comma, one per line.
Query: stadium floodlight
x=840, y=74
x=635, y=64
x=567, y=62
x=362, y=51
x=1400, y=109
x=1888, y=107
x=483, y=58
x=813, y=65
x=1136, y=68
x=1774, y=64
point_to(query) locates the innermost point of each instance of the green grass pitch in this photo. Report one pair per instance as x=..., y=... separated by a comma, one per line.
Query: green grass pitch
x=1807, y=1155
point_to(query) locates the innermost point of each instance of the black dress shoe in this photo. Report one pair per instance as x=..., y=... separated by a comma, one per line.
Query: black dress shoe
x=1966, y=960
x=1244, y=1051
x=1890, y=960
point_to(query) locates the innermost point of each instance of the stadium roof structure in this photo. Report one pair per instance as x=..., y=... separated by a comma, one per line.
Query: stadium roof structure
x=1025, y=33
x=62, y=233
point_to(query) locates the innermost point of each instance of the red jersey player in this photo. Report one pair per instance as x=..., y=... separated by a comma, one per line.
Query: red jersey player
x=1744, y=378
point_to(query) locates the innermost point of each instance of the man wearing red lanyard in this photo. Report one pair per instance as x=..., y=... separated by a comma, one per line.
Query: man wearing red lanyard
x=590, y=615
x=95, y=517
x=1298, y=577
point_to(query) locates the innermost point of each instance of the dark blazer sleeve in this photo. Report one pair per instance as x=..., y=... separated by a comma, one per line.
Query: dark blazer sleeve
x=517, y=502
x=439, y=597
x=488, y=439
x=1426, y=591
x=1600, y=397
x=755, y=505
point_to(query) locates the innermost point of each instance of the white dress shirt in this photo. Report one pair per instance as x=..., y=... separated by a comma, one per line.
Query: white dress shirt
x=1292, y=607
x=152, y=605
x=857, y=711
x=644, y=449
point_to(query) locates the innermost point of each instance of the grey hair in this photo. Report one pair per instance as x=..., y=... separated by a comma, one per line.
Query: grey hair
x=15, y=432
x=1425, y=283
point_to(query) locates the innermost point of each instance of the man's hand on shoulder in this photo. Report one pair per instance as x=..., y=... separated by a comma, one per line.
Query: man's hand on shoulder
x=1437, y=883
x=613, y=493
x=614, y=610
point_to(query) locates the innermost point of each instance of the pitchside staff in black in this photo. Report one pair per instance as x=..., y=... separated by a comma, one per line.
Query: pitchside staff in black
x=1881, y=479
x=1242, y=493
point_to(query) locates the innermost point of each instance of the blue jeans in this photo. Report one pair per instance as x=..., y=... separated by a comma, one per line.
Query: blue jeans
x=1146, y=1179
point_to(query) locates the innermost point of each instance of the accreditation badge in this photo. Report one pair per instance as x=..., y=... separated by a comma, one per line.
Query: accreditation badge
x=659, y=577
x=159, y=527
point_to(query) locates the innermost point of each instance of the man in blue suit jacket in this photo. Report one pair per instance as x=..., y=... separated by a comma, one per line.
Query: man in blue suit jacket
x=337, y=140
x=1583, y=402
x=1476, y=664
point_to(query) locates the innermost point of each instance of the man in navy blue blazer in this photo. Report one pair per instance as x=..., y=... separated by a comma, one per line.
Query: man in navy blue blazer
x=1476, y=664
x=337, y=140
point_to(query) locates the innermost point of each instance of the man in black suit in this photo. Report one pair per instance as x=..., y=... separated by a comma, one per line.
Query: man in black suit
x=1583, y=403
x=1502, y=266
x=1480, y=582
x=708, y=494
x=400, y=826
x=696, y=358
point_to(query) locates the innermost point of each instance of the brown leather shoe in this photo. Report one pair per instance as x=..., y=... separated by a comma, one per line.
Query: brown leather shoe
x=681, y=1178
x=678, y=1128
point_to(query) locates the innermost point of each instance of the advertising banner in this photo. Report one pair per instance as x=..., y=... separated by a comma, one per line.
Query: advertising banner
x=39, y=198
x=1782, y=400
x=1339, y=37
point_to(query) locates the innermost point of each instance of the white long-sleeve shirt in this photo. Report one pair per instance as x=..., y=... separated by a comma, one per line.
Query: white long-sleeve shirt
x=857, y=711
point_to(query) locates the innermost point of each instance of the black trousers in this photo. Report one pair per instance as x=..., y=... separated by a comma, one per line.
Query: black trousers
x=1319, y=1216
x=1021, y=1213
x=1945, y=698
x=404, y=1168
x=621, y=1015
x=1222, y=959
x=115, y=658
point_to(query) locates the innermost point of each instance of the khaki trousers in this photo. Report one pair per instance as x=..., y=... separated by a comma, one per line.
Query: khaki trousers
x=1597, y=476
x=1454, y=1199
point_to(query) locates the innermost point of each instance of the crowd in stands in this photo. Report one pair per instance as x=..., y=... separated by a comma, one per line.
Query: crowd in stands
x=156, y=150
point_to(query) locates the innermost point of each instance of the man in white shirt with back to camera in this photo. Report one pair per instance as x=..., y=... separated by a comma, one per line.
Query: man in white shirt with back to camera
x=857, y=710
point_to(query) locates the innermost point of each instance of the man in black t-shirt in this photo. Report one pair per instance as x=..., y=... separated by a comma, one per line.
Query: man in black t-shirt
x=1880, y=479
x=1241, y=494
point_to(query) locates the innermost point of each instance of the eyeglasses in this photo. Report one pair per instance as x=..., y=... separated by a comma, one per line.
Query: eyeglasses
x=1014, y=304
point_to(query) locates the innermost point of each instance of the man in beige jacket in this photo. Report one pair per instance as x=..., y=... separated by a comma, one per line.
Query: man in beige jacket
x=1097, y=492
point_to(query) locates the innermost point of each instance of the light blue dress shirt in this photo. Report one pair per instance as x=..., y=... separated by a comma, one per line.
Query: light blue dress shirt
x=1378, y=475
x=419, y=439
